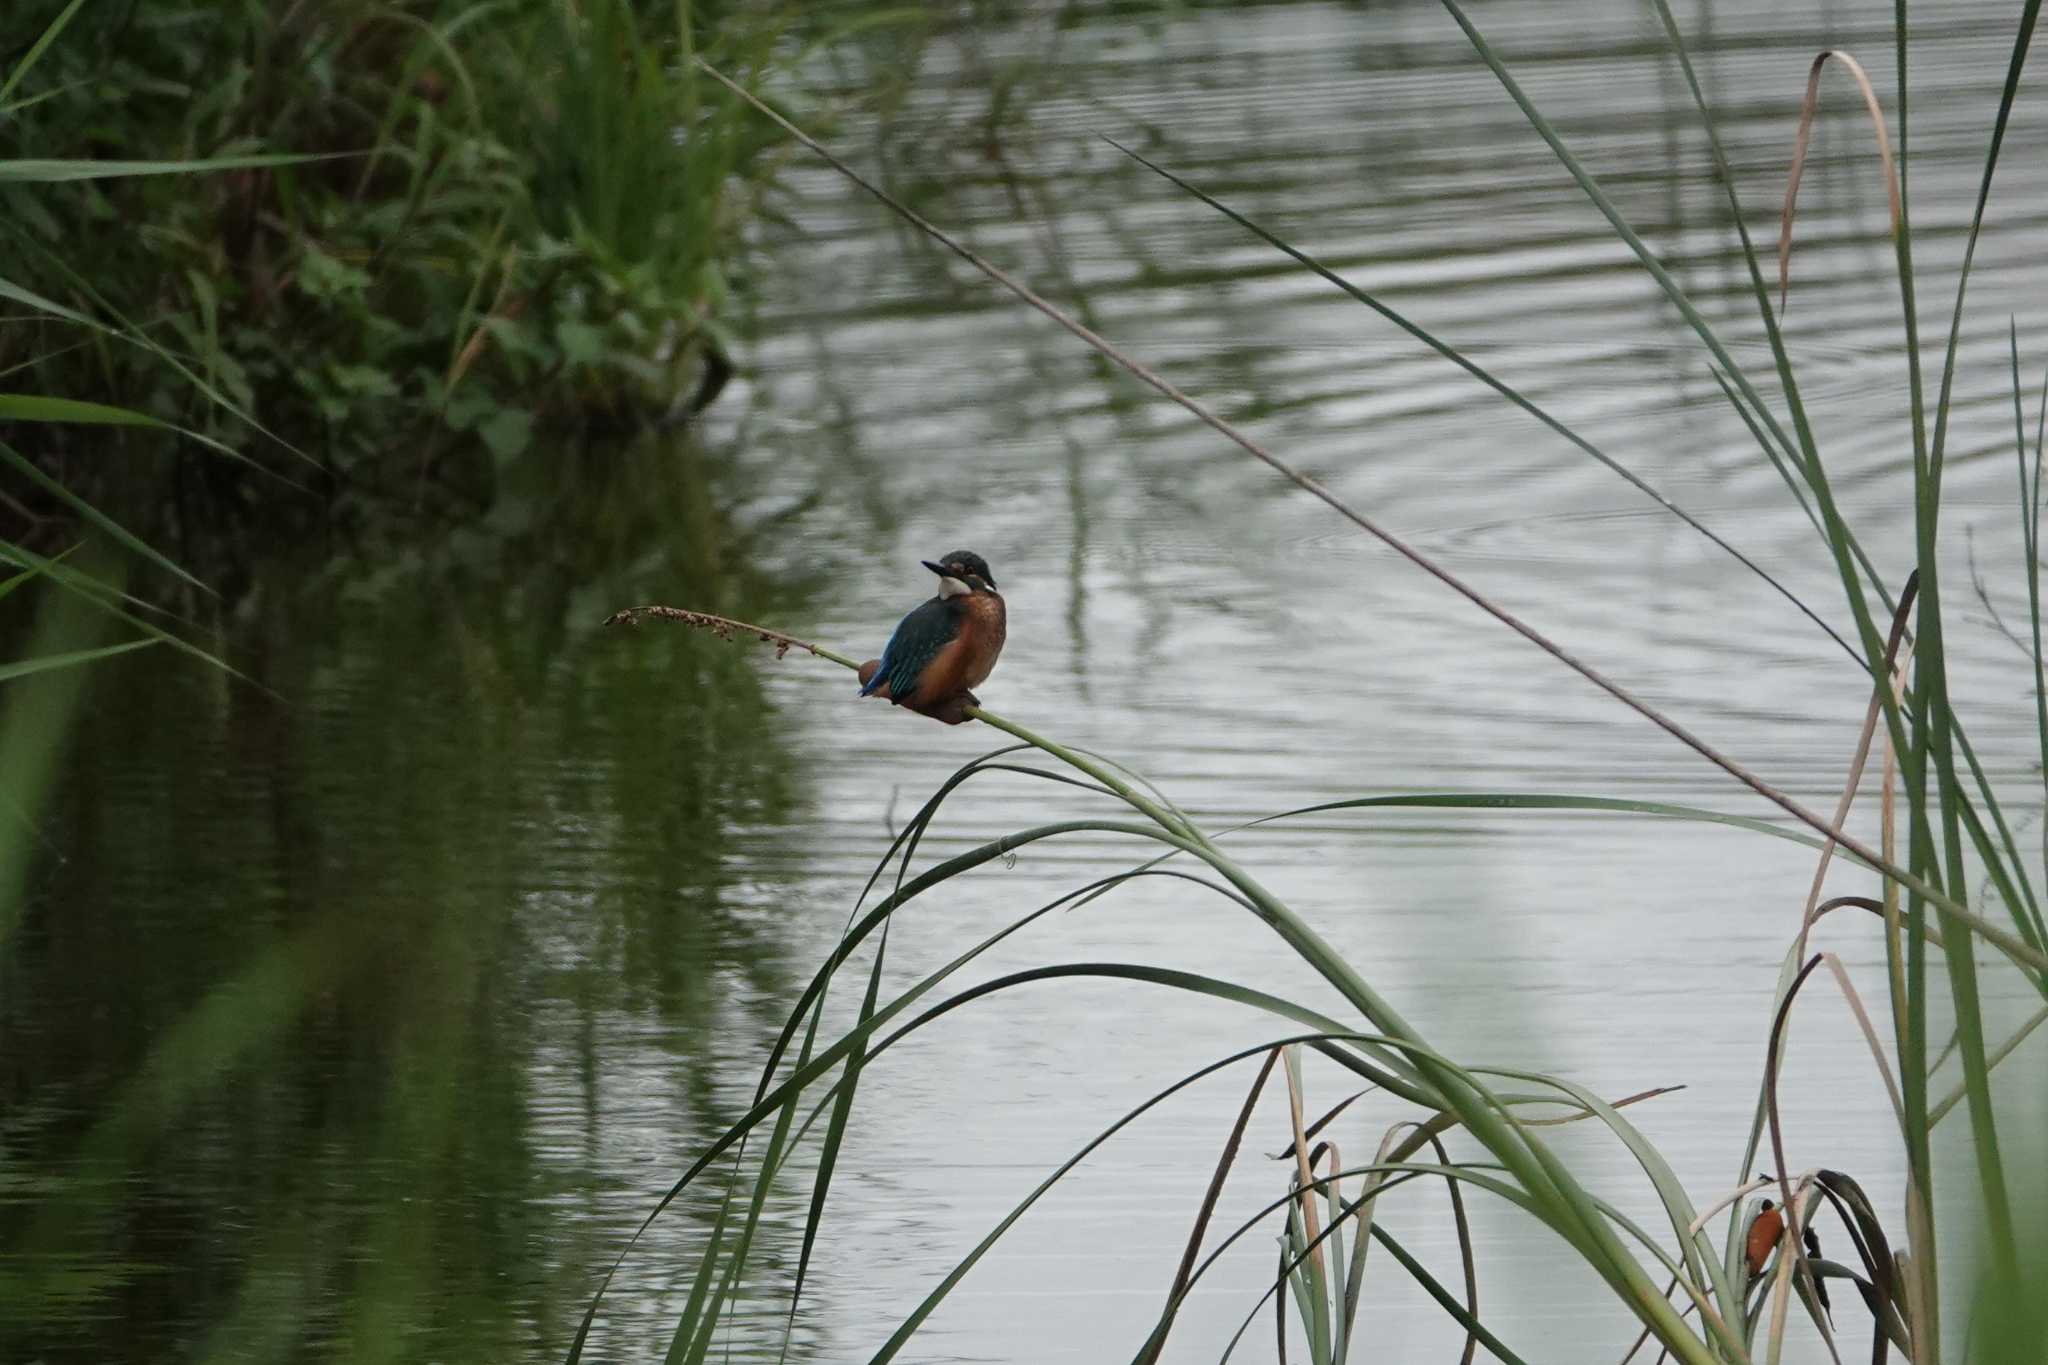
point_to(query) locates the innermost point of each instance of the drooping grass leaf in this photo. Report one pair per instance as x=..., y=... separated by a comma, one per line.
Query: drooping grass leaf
x=21, y=668
x=27, y=171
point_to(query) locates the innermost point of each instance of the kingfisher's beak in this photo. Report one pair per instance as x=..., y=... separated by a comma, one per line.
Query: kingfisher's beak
x=938, y=569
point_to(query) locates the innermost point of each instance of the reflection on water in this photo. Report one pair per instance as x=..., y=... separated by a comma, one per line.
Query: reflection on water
x=369, y=1021
x=309, y=1026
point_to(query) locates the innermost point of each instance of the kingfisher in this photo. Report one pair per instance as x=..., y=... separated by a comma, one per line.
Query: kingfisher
x=1764, y=1231
x=945, y=646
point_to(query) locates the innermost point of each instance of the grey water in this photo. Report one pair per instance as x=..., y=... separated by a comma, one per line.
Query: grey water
x=366, y=1014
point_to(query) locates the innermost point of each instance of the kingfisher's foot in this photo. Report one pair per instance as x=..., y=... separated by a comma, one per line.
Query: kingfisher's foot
x=949, y=710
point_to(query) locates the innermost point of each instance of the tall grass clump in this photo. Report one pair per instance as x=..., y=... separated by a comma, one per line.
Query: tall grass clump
x=369, y=248
x=1947, y=888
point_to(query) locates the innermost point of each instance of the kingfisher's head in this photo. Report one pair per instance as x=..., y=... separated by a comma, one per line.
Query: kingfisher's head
x=962, y=572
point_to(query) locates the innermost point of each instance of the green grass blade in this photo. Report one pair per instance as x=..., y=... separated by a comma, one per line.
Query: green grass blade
x=700, y=1284
x=2030, y=545
x=38, y=48
x=1931, y=701
x=21, y=668
x=1548, y=801
x=9, y=110
x=30, y=573
x=26, y=407
x=28, y=171
x=835, y=1135
x=1158, y=976
x=1445, y=1299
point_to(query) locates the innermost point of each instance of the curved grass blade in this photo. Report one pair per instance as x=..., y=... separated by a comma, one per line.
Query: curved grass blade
x=26, y=407
x=28, y=171
x=1328, y=1032
x=1866, y=1233
x=905, y=845
x=1850, y=558
x=1476, y=1332
x=835, y=1132
x=22, y=668
x=1792, y=1252
x=1462, y=1226
x=1807, y=108
x=700, y=1284
x=1884, y=1069
x=2030, y=516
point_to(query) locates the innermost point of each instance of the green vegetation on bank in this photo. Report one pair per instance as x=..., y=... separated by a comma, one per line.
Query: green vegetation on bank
x=356, y=252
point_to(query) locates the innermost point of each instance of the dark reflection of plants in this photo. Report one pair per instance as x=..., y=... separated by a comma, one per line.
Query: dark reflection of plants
x=280, y=982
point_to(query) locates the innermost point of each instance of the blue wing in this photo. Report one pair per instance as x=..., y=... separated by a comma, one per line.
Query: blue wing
x=917, y=640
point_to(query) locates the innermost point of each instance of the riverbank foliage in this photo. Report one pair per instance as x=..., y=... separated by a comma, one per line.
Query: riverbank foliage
x=505, y=216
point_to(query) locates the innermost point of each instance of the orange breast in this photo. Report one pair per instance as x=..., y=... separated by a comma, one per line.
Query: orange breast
x=966, y=659
x=982, y=632
x=1763, y=1238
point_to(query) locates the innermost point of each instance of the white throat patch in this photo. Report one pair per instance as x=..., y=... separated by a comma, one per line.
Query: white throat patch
x=953, y=587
